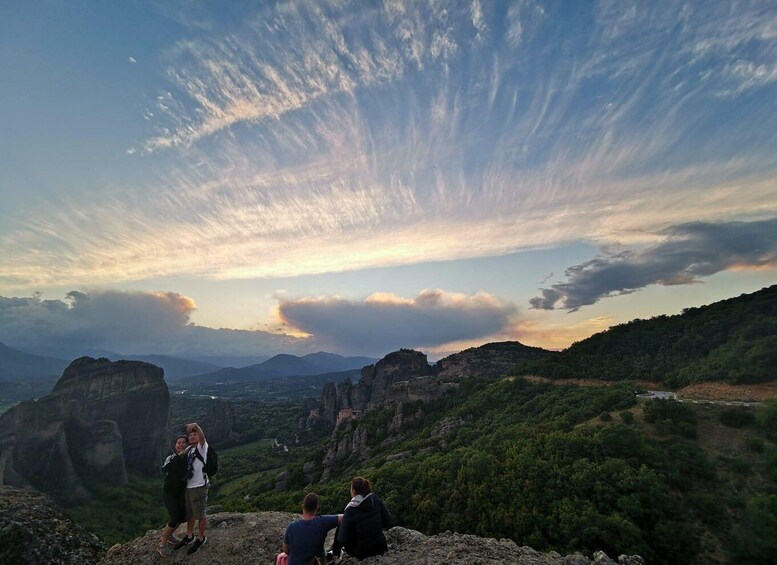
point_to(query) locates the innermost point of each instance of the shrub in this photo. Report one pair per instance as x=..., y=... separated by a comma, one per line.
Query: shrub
x=737, y=417
x=767, y=417
x=755, y=444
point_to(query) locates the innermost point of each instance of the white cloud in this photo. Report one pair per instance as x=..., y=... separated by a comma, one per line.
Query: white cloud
x=127, y=323
x=385, y=322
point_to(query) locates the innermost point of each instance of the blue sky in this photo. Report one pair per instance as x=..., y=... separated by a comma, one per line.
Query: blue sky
x=193, y=177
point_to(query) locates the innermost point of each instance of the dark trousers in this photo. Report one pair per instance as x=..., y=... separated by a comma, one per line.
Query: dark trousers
x=337, y=547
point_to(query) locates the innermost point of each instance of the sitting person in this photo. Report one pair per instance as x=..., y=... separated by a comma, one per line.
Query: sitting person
x=361, y=529
x=304, y=540
x=174, y=493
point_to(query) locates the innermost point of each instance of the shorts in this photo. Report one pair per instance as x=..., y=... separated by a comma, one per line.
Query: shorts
x=176, y=508
x=196, y=501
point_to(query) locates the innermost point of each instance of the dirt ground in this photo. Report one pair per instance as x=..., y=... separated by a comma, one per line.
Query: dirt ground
x=649, y=385
x=722, y=391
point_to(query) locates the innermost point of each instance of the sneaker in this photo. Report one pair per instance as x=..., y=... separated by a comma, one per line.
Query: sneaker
x=164, y=550
x=185, y=541
x=332, y=558
x=198, y=543
x=173, y=540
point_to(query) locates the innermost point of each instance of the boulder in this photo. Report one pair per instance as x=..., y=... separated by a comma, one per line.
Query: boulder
x=34, y=529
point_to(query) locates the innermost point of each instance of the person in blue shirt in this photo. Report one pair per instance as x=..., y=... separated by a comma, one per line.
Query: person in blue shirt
x=304, y=538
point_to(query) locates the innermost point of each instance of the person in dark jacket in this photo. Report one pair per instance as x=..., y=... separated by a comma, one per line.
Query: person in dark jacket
x=174, y=468
x=365, y=518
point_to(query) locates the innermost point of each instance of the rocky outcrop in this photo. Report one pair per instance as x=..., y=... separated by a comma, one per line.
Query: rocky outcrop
x=402, y=376
x=489, y=360
x=257, y=537
x=376, y=380
x=101, y=418
x=34, y=529
x=219, y=423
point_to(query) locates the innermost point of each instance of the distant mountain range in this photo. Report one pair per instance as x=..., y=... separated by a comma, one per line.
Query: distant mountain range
x=17, y=366
x=173, y=367
x=285, y=365
x=230, y=360
x=733, y=340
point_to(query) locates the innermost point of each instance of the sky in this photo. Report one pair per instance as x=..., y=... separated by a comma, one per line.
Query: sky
x=200, y=178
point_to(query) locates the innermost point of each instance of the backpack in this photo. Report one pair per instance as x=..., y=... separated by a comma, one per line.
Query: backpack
x=212, y=466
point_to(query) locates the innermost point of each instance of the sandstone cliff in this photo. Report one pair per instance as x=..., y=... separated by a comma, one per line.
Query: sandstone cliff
x=401, y=376
x=257, y=537
x=219, y=423
x=101, y=418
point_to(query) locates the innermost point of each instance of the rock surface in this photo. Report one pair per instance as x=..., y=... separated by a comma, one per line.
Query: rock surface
x=257, y=537
x=33, y=529
x=489, y=360
x=401, y=376
x=220, y=422
x=101, y=418
x=405, y=376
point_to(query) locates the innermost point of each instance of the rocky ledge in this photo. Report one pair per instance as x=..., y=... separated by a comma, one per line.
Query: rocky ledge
x=257, y=537
x=34, y=529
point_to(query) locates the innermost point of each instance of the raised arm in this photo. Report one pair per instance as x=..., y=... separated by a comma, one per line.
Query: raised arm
x=195, y=427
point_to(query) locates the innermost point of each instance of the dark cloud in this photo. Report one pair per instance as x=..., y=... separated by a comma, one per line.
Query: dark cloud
x=690, y=252
x=384, y=323
x=127, y=323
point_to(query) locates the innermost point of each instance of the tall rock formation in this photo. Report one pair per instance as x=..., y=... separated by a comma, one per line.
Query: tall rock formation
x=101, y=418
x=219, y=423
x=401, y=376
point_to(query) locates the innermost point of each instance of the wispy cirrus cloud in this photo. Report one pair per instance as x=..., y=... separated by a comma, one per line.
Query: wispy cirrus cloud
x=688, y=253
x=247, y=78
x=317, y=137
x=385, y=322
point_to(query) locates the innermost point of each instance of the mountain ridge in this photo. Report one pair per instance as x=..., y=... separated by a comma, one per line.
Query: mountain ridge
x=732, y=340
x=18, y=366
x=285, y=365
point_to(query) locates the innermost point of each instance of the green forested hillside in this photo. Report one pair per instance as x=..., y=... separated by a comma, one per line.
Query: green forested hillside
x=734, y=341
x=558, y=467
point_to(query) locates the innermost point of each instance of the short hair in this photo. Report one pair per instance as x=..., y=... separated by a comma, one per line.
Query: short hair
x=310, y=504
x=361, y=486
